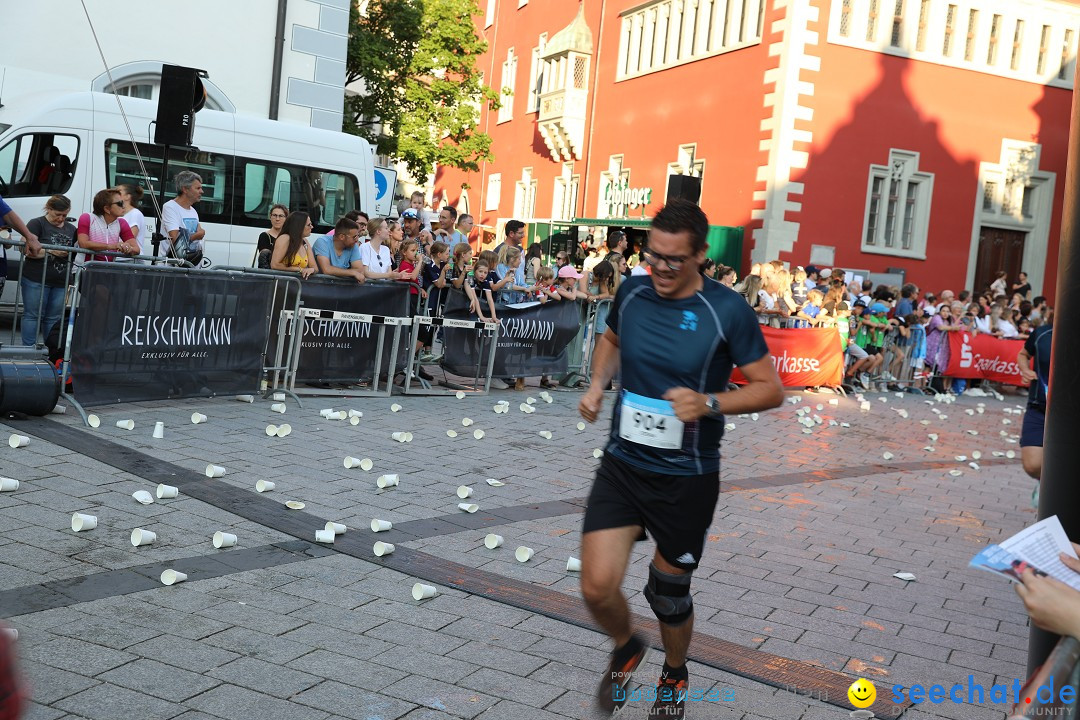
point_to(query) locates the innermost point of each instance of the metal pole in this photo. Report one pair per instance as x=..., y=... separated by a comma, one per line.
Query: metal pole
x=1059, y=493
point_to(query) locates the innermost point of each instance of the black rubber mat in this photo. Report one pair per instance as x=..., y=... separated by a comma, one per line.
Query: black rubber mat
x=820, y=683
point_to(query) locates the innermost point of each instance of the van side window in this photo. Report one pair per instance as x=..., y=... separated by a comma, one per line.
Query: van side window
x=122, y=167
x=323, y=194
x=38, y=164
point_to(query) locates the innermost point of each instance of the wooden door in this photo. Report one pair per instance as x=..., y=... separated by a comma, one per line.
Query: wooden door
x=998, y=250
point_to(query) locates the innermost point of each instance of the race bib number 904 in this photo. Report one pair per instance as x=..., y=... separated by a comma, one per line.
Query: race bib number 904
x=647, y=421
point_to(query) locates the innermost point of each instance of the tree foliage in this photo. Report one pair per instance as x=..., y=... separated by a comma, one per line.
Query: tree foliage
x=421, y=90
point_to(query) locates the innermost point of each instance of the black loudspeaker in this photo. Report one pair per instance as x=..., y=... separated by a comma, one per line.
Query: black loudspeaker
x=182, y=95
x=683, y=187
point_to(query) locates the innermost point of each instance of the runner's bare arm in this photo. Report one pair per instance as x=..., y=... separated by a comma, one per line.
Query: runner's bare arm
x=763, y=390
x=605, y=365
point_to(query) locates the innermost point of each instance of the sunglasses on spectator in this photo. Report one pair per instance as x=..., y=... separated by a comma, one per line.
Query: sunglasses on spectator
x=118, y=202
x=673, y=262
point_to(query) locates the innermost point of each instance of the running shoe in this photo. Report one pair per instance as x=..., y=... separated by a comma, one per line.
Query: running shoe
x=670, y=701
x=611, y=695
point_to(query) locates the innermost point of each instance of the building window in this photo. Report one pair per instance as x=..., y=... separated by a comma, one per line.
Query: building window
x=506, y=89
x=564, y=199
x=898, y=207
x=1018, y=38
x=494, y=190
x=140, y=90
x=973, y=26
x=489, y=17
x=536, y=75
x=845, y=19
x=1027, y=201
x=897, y=24
x=924, y=12
x=989, y=193
x=1066, y=54
x=991, y=53
x=525, y=195
x=871, y=21
x=1044, y=47
x=950, y=28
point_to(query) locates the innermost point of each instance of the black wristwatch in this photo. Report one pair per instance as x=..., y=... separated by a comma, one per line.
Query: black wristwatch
x=713, y=406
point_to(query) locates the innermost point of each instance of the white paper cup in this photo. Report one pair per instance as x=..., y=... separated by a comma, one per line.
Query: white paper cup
x=80, y=522
x=460, y=395
x=380, y=525
x=166, y=491
x=159, y=430
x=466, y=422
x=284, y=430
x=478, y=434
x=399, y=436
x=264, y=486
x=93, y=421
x=125, y=424
x=573, y=564
x=197, y=418
x=546, y=434
x=366, y=464
x=246, y=398
x=420, y=591
x=142, y=537
x=58, y=410
x=386, y=481
x=18, y=441
x=494, y=483
x=492, y=541
x=395, y=408
x=351, y=462
x=327, y=412
x=355, y=414
x=530, y=401
x=171, y=577
x=224, y=540
x=325, y=536
x=143, y=497
x=339, y=415
x=524, y=554
x=451, y=433
x=581, y=426
x=408, y=437
x=279, y=397
x=468, y=507
x=382, y=548
x=464, y=491
x=354, y=420
x=271, y=430
x=8, y=484
x=336, y=528
x=214, y=471
x=278, y=407
x=598, y=453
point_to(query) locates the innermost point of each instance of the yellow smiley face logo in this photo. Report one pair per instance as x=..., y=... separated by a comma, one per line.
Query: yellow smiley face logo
x=862, y=693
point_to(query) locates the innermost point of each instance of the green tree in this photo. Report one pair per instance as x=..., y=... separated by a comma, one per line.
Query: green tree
x=421, y=91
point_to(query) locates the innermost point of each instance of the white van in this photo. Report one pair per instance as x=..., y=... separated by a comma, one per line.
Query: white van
x=76, y=144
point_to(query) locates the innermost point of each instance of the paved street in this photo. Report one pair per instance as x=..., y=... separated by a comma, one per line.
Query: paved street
x=809, y=530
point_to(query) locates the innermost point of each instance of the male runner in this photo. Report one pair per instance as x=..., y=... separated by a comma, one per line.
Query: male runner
x=661, y=470
x=1034, y=362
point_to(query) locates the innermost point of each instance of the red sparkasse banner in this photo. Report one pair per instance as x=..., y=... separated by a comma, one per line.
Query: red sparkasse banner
x=984, y=356
x=804, y=357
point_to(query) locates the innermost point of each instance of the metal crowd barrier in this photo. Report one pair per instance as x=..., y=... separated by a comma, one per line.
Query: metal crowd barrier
x=490, y=334
x=285, y=350
x=576, y=360
x=1061, y=669
x=589, y=326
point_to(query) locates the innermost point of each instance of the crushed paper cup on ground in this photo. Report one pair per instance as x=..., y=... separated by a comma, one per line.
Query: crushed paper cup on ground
x=382, y=548
x=18, y=441
x=385, y=481
x=142, y=537
x=381, y=525
x=279, y=397
x=337, y=528
x=197, y=418
x=271, y=430
x=264, y=486
x=460, y=395
x=284, y=430
x=214, y=471
x=573, y=564
x=8, y=484
x=295, y=505
x=478, y=434
x=546, y=434
x=888, y=455
x=143, y=497
x=171, y=577
x=420, y=591
x=224, y=540
x=278, y=407
x=524, y=554
x=466, y=422
x=125, y=424
x=395, y=408
x=325, y=536
x=494, y=483
x=598, y=453
x=166, y=491
x=956, y=473
x=464, y=491
x=581, y=426
x=492, y=541
x=246, y=398
x=93, y=421
x=451, y=433
x=468, y=507
x=355, y=414
x=904, y=576
x=81, y=522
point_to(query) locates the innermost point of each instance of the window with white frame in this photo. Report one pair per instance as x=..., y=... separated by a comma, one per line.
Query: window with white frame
x=525, y=195
x=898, y=207
x=506, y=89
x=536, y=76
x=489, y=17
x=494, y=189
x=564, y=199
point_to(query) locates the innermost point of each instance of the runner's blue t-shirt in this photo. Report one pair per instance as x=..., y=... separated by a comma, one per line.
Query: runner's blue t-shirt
x=690, y=342
x=1038, y=349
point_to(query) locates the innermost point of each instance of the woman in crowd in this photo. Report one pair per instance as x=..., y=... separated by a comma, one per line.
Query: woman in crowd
x=561, y=261
x=394, y=239
x=104, y=229
x=375, y=253
x=998, y=286
x=132, y=196
x=264, y=248
x=708, y=269
x=45, y=277
x=533, y=263
x=726, y=275
x=751, y=290
x=292, y=251
x=1001, y=324
x=937, y=342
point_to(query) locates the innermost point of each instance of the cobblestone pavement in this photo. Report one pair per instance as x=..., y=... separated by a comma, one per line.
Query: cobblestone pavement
x=799, y=562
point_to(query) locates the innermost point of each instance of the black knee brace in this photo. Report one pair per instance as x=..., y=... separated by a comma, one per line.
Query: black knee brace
x=669, y=596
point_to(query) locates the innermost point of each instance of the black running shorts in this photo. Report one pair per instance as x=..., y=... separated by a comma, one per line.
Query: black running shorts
x=676, y=510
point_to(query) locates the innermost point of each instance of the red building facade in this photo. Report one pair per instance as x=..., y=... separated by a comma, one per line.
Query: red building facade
x=923, y=135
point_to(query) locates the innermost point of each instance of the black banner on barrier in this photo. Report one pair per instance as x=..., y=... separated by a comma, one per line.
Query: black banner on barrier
x=156, y=333
x=532, y=339
x=336, y=350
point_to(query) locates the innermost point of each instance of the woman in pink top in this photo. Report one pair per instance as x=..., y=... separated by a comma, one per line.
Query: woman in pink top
x=105, y=229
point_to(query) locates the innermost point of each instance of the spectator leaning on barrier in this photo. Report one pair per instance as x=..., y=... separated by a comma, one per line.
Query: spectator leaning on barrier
x=10, y=218
x=292, y=252
x=44, y=278
x=104, y=229
x=482, y=287
x=515, y=235
x=340, y=255
x=264, y=247
x=375, y=253
x=183, y=233
x=906, y=305
x=461, y=233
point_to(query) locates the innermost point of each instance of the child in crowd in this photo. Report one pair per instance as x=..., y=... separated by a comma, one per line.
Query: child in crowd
x=511, y=269
x=863, y=362
x=798, y=287
x=917, y=326
x=811, y=313
x=546, y=288
x=498, y=282
x=483, y=286
x=435, y=279
x=567, y=286
x=410, y=273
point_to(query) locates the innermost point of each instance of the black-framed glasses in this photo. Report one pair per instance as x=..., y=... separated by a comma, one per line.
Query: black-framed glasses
x=118, y=202
x=276, y=215
x=674, y=262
